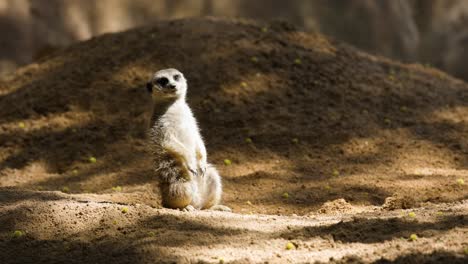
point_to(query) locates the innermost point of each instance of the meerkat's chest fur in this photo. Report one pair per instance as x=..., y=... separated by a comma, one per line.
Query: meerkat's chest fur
x=177, y=123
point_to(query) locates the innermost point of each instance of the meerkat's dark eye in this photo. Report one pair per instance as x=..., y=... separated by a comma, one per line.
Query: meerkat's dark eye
x=163, y=81
x=177, y=77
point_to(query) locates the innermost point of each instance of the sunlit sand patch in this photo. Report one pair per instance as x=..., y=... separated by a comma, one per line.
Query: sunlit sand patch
x=427, y=171
x=13, y=177
x=31, y=73
x=318, y=42
x=425, y=154
x=91, y=177
x=56, y=122
x=454, y=114
x=361, y=146
x=419, y=184
x=87, y=181
x=247, y=168
x=250, y=85
x=272, y=249
x=127, y=74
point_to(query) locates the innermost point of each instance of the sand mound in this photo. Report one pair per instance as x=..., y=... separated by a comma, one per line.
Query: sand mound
x=324, y=121
x=337, y=206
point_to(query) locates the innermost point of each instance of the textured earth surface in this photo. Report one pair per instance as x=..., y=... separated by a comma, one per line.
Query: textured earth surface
x=351, y=158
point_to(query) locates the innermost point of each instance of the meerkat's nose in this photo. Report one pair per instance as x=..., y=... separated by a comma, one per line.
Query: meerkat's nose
x=163, y=81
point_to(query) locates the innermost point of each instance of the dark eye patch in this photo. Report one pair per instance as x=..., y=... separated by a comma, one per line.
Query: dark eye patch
x=177, y=77
x=163, y=81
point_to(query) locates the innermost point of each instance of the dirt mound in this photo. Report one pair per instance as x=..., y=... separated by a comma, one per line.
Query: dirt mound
x=337, y=206
x=399, y=202
x=296, y=113
x=325, y=120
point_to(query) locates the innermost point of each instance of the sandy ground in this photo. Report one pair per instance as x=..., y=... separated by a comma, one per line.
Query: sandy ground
x=343, y=154
x=87, y=228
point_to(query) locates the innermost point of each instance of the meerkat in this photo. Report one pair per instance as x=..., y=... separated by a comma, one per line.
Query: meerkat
x=186, y=180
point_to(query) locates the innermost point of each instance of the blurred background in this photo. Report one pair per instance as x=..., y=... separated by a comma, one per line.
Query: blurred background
x=433, y=32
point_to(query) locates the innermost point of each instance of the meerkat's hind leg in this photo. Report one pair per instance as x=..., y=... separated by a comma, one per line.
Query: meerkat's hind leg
x=180, y=195
x=212, y=190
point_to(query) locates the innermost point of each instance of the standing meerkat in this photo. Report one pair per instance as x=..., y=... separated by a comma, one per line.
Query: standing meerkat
x=186, y=180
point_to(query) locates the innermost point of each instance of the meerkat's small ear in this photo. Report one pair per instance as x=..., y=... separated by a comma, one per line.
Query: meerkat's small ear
x=149, y=87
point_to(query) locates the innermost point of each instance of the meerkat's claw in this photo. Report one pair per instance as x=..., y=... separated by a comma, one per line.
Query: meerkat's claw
x=202, y=171
x=220, y=207
x=194, y=172
x=189, y=208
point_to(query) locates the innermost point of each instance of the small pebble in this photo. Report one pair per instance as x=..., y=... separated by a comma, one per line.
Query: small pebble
x=117, y=189
x=290, y=246
x=18, y=234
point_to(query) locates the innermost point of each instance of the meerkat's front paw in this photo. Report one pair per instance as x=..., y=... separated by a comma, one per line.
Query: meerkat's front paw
x=193, y=168
x=220, y=207
x=189, y=208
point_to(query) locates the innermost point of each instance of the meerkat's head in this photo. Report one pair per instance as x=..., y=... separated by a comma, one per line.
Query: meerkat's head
x=167, y=84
